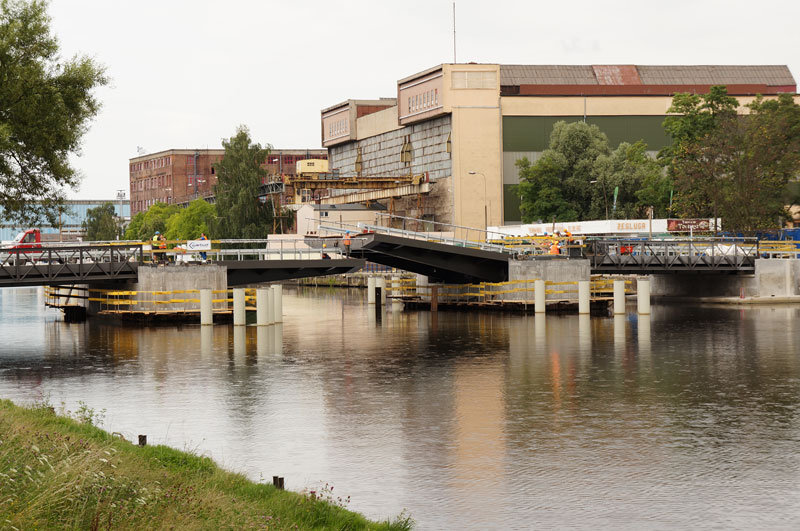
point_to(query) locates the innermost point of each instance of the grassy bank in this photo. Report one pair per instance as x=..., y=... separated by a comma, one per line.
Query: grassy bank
x=56, y=472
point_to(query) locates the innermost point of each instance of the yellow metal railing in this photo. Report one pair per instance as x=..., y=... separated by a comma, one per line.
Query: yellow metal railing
x=484, y=292
x=156, y=301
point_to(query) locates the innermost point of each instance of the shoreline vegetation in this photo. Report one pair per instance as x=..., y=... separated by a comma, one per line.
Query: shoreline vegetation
x=62, y=471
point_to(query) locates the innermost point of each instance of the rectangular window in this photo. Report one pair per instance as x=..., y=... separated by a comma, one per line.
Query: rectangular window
x=473, y=80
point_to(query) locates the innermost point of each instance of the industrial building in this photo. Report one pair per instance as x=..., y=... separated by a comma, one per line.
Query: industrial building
x=69, y=226
x=181, y=175
x=465, y=126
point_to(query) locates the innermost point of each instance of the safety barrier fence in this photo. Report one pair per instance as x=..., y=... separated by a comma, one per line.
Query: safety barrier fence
x=117, y=301
x=600, y=288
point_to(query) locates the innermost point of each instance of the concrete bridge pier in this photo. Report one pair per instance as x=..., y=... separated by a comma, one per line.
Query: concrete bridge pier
x=371, y=290
x=263, y=307
x=619, y=297
x=540, y=296
x=380, y=282
x=277, y=301
x=584, y=296
x=206, y=307
x=643, y=296
x=239, y=314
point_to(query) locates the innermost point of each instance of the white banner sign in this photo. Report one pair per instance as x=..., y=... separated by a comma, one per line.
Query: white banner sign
x=198, y=245
x=612, y=226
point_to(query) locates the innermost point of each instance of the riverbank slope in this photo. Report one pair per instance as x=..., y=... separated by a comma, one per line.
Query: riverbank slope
x=58, y=472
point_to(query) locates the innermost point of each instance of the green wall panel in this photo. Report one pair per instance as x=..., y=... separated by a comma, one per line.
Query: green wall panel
x=532, y=133
x=511, y=204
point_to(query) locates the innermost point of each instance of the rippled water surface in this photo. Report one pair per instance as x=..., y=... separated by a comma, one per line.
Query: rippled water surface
x=687, y=418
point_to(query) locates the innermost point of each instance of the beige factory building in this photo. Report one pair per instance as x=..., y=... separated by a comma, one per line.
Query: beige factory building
x=465, y=125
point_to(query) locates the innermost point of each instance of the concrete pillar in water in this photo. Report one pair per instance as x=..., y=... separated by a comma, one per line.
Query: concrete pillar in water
x=422, y=287
x=206, y=311
x=381, y=283
x=238, y=307
x=270, y=305
x=643, y=296
x=262, y=306
x=540, y=304
x=619, y=297
x=371, y=290
x=277, y=294
x=583, y=296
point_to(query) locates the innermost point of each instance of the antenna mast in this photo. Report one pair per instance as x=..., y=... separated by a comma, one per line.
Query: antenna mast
x=454, y=32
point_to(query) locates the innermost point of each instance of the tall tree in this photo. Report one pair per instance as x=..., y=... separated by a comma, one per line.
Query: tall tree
x=691, y=119
x=637, y=177
x=239, y=176
x=743, y=166
x=101, y=223
x=188, y=223
x=558, y=184
x=46, y=104
x=145, y=224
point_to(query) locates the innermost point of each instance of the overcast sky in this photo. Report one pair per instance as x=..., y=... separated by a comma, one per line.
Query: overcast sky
x=186, y=73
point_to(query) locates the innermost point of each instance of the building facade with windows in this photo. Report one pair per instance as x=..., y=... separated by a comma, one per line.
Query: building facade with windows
x=466, y=125
x=69, y=226
x=181, y=175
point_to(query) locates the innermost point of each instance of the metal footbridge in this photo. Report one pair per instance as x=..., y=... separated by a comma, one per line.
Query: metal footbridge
x=446, y=256
x=112, y=262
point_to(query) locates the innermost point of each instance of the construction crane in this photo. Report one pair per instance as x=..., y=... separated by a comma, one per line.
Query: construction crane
x=313, y=175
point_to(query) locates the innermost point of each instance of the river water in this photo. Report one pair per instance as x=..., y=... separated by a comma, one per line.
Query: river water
x=687, y=418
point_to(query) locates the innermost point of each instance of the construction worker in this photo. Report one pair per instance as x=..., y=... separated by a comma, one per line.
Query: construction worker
x=162, y=244
x=203, y=255
x=568, y=236
x=346, y=242
x=554, y=247
x=156, y=245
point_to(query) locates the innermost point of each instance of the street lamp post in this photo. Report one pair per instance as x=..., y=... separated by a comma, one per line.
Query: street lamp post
x=120, y=198
x=485, y=199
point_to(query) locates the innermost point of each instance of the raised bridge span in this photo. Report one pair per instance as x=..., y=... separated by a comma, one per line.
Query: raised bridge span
x=459, y=260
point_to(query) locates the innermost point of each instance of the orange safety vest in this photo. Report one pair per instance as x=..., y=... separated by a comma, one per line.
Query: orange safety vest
x=346, y=240
x=554, y=248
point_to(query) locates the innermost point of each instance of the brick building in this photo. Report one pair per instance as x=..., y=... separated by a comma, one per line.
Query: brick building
x=181, y=175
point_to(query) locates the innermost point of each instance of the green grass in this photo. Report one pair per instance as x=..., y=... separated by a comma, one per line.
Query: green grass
x=56, y=472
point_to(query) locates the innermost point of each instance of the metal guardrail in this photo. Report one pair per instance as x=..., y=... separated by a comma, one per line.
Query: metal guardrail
x=358, y=229
x=482, y=235
x=69, y=263
x=705, y=254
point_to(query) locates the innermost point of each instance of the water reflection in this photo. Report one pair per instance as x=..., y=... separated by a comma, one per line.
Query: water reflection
x=686, y=417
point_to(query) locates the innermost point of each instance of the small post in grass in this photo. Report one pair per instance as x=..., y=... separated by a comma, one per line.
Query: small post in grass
x=142, y=440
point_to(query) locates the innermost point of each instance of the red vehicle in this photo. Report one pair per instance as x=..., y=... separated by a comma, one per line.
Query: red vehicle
x=29, y=239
